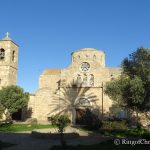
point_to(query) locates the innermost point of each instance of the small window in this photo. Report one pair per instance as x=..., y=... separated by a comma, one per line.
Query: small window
x=0, y=81
x=91, y=79
x=94, y=57
x=13, y=56
x=79, y=79
x=87, y=56
x=2, y=54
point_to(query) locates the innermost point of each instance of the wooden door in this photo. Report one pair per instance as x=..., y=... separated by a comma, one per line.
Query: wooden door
x=80, y=113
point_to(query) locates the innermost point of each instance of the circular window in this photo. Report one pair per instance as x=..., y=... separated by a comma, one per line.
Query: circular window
x=84, y=67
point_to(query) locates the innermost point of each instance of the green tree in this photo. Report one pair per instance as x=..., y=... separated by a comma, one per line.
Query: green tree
x=132, y=89
x=61, y=122
x=13, y=98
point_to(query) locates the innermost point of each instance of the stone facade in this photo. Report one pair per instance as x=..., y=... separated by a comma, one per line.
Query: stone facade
x=70, y=90
x=8, y=62
x=77, y=87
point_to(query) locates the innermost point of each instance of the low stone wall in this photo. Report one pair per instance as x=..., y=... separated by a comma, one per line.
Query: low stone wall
x=54, y=135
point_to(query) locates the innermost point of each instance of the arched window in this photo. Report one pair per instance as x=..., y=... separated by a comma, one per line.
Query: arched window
x=94, y=57
x=2, y=54
x=91, y=79
x=82, y=102
x=13, y=56
x=85, y=80
x=0, y=81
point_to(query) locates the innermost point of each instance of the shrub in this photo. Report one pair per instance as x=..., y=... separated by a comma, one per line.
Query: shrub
x=114, y=125
x=146, y=134
x=53, y=119
x=1, y=114
x=60, y=121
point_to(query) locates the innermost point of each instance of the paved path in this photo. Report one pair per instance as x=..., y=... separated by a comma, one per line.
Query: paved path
x=24, y=141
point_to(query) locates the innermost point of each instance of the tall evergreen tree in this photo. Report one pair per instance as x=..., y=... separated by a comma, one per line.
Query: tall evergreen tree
x=132, y=89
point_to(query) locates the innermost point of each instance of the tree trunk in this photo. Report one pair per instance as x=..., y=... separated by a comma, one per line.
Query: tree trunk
x=63, y=142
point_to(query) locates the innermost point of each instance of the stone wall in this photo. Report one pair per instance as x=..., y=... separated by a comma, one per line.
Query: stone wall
x=8, y=65
x=59, y=90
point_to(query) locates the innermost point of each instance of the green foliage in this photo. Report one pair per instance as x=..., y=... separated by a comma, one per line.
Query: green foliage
x=132, y=89
x=114, y=125
x=22, y=127
x=60, y=121
x=128, y=133
x=126, y=92
x=13, y=98
x=1, y=112
x=54, y=119
x=138, y=64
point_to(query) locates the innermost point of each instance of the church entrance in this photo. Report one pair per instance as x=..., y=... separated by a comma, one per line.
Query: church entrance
x=80, y=113
x=81, y=110
x=17, y=115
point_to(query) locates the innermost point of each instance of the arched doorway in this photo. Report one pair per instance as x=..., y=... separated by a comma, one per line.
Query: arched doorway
x=83, y=105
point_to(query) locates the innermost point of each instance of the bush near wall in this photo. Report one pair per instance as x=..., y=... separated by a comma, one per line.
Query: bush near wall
x=114, y=125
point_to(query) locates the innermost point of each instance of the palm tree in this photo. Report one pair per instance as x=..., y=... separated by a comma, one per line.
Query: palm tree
x=67, y=98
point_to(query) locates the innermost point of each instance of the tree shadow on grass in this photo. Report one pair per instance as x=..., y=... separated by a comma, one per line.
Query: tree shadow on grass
x=89, y=141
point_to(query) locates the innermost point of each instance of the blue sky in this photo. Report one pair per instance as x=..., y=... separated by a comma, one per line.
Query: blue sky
x=49, y=30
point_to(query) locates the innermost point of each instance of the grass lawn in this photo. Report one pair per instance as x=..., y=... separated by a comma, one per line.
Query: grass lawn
x=22, y=127
x=138, y=133
x=108, y=145
x=143, y=133
x=130, y=133
x=4, y=145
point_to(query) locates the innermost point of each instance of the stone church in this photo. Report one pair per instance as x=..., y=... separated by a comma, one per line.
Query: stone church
x=69, y=90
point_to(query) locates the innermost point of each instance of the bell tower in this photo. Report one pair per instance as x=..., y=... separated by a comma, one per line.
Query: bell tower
x=8, y=61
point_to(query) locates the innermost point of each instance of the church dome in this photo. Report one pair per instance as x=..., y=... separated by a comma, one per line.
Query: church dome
x=89, y=54
x=88, y=49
